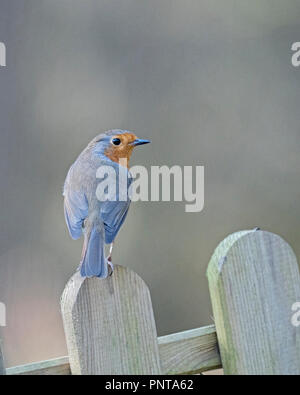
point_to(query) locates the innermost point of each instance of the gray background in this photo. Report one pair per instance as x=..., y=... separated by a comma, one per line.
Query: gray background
x=209, y=82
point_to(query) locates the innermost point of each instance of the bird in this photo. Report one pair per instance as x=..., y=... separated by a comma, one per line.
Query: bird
x=99, y=221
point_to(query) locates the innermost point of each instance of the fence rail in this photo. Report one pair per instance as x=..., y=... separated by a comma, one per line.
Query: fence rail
x=187, y=352
x=254, y=281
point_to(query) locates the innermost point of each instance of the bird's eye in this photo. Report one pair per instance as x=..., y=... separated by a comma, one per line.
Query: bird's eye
x=116, y=141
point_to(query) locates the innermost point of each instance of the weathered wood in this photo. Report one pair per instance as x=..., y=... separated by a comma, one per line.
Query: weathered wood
x=254, y=281
x=186, y=352
x=109, y=325
x=189, y=352
x=57, y=366
x=2, y=368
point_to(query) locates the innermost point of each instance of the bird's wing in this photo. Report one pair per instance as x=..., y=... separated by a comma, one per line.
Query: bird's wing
x=113, y=214
x=75, y=206
x=76, y=210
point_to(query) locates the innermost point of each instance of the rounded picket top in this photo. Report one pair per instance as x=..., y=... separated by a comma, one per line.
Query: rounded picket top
x=254, y=281
x=109, y=325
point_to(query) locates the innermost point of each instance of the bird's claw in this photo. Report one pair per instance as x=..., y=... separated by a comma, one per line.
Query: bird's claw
x=110, y=266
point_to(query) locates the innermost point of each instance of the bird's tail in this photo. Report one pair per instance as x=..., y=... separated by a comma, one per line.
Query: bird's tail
x=93, y=262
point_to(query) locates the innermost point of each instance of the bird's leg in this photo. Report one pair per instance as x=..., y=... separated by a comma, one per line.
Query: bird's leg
x=109, y=260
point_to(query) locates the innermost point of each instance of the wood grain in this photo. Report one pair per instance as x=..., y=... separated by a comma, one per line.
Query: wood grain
x=186, y=352
x=58, y=366
x=254, y=281
x=109, y=325
x=189, y=352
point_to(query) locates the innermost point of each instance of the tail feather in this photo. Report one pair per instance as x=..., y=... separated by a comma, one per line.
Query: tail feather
x=93, y=263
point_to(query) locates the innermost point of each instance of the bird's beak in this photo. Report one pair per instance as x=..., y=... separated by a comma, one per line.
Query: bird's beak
x=139, y=142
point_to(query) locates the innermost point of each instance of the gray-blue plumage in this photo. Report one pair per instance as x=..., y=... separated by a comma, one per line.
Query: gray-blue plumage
x=99, y=221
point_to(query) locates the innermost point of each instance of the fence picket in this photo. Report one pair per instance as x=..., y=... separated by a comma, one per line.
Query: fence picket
x=2, y=368
x=109, y=325
x=254, y=281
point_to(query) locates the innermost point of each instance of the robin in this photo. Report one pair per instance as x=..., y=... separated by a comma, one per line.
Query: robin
x=99, y=221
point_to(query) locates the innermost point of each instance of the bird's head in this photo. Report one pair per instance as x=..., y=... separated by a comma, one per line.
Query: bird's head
x=117, y=144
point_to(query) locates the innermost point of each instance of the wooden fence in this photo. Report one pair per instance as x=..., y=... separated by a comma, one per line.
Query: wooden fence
x=254, y=281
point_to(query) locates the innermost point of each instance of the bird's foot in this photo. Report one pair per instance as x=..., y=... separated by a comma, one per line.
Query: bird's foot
x=110, y=266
